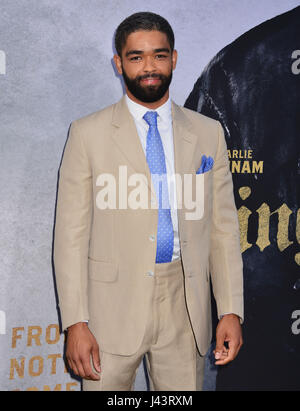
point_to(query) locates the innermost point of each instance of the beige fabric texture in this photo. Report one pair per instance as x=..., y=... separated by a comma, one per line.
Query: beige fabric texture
x=102, y=258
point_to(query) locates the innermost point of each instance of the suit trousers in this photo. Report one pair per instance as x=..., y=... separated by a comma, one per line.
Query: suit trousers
x=172, y=359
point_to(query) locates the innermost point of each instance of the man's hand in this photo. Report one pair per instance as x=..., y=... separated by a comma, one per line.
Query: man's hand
x=81, y=347
x=228, y=330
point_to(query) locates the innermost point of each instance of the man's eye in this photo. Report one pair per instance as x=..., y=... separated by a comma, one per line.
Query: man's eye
x=135, y=58
x=161, y=56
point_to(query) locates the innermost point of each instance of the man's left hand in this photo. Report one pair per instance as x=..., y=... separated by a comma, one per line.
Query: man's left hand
x=229, y=330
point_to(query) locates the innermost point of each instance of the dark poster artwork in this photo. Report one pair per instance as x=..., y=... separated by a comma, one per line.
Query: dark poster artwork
x=252, y=87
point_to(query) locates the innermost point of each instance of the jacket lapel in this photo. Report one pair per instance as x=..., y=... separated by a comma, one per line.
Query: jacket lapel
x=184, y=141
x=127, y=139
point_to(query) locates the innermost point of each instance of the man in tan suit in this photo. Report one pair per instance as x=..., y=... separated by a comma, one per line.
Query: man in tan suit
x=133, y=276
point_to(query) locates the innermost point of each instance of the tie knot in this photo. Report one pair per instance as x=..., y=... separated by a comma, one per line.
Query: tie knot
x=151, y=118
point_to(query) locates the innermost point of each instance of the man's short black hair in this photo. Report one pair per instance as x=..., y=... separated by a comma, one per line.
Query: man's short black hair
x=142, y=21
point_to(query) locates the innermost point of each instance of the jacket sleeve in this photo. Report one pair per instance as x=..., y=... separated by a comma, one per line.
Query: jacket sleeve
x=225, y=260
x=72, y=230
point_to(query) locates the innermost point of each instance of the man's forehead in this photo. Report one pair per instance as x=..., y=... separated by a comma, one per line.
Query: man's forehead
x=143, y=39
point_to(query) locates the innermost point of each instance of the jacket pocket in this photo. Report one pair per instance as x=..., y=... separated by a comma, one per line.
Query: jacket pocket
x=102, y=271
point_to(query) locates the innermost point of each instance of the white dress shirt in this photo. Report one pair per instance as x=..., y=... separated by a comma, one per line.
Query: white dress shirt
x=165, y=128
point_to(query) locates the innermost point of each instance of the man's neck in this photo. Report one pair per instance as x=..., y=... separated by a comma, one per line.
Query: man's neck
x=151, y=106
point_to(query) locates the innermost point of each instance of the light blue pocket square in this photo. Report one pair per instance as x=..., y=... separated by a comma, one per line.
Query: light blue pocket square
x=206, y=165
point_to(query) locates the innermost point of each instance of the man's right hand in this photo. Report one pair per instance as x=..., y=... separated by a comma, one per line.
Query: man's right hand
x=81, y=347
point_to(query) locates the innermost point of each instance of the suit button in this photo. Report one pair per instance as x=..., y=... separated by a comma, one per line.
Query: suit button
x=152, y=238
x=150, y=273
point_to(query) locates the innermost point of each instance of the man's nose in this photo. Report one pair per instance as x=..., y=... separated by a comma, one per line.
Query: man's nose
x=149, y=64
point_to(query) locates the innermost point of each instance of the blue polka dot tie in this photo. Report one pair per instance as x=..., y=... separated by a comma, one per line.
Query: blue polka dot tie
x=157, y=164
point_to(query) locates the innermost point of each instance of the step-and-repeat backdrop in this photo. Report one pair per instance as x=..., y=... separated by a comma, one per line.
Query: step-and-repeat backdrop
x=239, y=62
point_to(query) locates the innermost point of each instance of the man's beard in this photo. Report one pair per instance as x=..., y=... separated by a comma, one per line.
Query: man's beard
x=148, y=94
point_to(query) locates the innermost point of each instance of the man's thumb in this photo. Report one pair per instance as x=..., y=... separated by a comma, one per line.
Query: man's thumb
x=96, y=358
x=219, y=348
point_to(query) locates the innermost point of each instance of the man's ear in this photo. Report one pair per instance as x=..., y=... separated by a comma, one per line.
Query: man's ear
x=174, y=59
x=118, y=63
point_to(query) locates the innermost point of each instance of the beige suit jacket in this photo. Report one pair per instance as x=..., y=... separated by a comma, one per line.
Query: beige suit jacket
x=102, y=258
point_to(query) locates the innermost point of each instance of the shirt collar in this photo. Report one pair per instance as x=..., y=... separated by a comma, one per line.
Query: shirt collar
x=138, y=111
